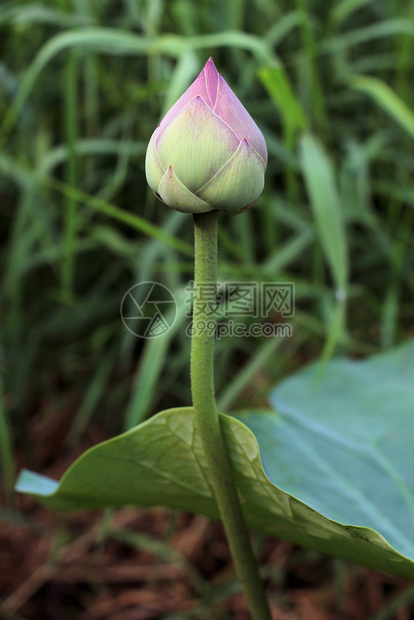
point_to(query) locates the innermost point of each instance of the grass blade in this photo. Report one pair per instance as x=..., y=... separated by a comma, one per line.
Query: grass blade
x=387, y=99
x=6, y=452
x=327, y=209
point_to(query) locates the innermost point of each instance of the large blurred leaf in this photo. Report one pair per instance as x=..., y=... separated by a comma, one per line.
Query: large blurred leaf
x=343, y=443
x=343, y=446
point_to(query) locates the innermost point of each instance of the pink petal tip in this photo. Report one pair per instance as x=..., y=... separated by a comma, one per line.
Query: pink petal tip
x=211, y=77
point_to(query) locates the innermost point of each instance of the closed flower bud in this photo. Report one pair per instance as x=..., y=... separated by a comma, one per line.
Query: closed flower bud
x=207, y=153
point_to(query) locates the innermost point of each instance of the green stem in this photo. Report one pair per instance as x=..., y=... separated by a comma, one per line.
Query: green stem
x=202, y=387
x=70, y=215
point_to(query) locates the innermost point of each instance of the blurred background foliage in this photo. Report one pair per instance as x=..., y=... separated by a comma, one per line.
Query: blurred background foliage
x=83, y=84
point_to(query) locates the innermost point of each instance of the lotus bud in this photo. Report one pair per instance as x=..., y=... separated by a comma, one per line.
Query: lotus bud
x=207, y=153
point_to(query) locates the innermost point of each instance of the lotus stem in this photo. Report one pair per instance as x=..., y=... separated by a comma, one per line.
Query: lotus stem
x=207, y=419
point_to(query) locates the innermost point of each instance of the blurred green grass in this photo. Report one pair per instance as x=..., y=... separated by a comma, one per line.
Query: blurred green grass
x=83, y=85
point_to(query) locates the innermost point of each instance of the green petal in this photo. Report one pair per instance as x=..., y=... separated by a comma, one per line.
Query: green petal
x=238, y=183
x=153, y=169
x=178, y=197
x=197, y=143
